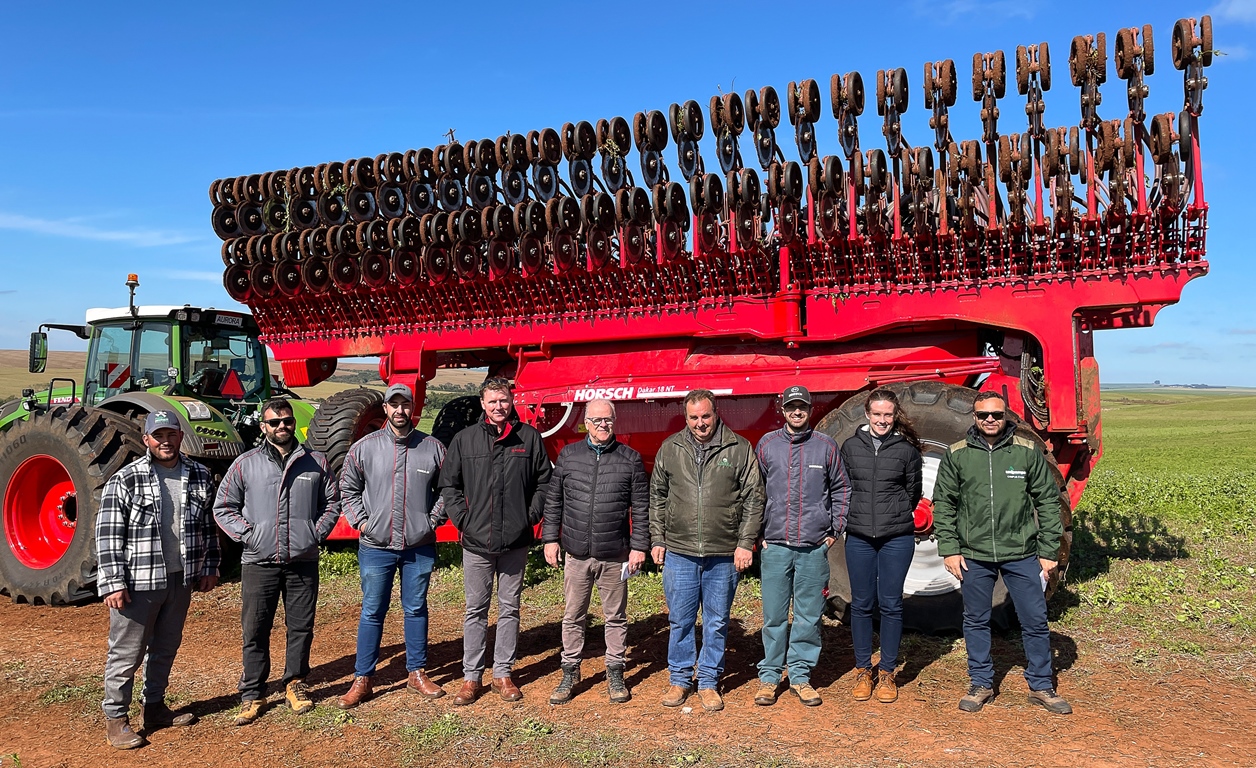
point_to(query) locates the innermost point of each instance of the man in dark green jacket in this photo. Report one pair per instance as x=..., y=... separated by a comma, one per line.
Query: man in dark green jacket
x=706, y=508
x=988, y=489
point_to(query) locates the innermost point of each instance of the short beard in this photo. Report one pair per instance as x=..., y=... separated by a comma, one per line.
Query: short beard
x=270, y=438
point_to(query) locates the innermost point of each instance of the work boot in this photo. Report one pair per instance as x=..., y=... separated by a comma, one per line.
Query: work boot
x=571, y=676
x=118, y=731
x=420, y=683
x=809, y=696
x=1051, y=701
x=676, y=695
x=863, y=685
x=711, y=699
x=766, y=695
x=298, y=696
x=359, y=692
x=887, y=689
x=615, y=685
x=469, y=692
x=506, y=688
x=976, y=698
x=160, y=716
x=249, y=711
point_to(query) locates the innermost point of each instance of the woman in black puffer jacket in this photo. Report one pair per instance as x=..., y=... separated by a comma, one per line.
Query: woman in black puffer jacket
x=884, y=463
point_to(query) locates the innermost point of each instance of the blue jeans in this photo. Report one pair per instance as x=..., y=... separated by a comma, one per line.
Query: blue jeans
x=378, y=567
x=798, y=574
x=1023, y=579
x=877, y=569
x=687, y=583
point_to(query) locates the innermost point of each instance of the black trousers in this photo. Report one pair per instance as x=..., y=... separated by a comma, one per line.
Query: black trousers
x=261, y=587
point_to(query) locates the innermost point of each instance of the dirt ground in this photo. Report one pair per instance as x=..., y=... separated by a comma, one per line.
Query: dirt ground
x=52, y=659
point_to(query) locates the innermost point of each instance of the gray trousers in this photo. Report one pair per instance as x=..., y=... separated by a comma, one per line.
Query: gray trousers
x=147, y=630
x=478, y=572
x=579, y=576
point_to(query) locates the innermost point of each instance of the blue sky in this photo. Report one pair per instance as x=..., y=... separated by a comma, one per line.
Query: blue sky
x=114, y=118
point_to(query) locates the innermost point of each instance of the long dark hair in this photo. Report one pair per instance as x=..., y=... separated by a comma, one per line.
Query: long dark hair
x=902, y=424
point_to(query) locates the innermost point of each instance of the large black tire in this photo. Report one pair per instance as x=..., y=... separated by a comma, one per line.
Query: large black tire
x=342, y=420
x=455, y=416
x=941, y=414
x=90, y=445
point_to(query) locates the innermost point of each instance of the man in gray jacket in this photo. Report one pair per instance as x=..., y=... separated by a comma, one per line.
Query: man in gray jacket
x=597, y=510
x=388, y=488
x=807, y=498
x=281, y=501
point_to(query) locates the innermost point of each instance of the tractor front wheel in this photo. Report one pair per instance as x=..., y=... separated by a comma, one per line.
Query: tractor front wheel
x=53, y=469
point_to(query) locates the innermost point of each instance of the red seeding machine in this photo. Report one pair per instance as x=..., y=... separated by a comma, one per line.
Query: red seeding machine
x=607, y=260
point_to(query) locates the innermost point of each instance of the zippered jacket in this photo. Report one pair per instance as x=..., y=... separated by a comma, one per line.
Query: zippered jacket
x=886, y=484
x=808, y=493
x=985, y=498
x=280, y=508
x=598, y=502
x=706, y=503
x=494, y=485
x=388, y=489
x=128, y=528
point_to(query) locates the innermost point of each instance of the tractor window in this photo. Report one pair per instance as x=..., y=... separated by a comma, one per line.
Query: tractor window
x=153, y=359
x=223, y=362
x=108, y=363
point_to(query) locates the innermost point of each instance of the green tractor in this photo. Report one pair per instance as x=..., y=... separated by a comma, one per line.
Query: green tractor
x=58, y=447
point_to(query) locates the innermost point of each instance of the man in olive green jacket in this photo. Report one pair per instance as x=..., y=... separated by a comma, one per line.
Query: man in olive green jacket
x=988, y=488
x=706, y=508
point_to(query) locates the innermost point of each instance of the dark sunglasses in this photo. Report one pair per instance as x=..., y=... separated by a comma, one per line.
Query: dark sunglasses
x=984, y=415
x=286, y=421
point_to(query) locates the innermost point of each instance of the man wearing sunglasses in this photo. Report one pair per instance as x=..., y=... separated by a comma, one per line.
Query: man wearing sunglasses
x=996, y=512
x=280, y=500
x=597, y=511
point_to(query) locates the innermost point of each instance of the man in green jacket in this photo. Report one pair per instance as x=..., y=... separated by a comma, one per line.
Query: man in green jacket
x=984, y=500
x=706, y=508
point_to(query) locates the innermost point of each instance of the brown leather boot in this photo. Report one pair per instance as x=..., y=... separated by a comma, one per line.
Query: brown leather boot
x=420, y=683
x=887, y=689
x=507, y=688
x=863, y=685
x=118, y=731
x=469, y=692
x=160, y=716
x=359, y=692
x=676, y=695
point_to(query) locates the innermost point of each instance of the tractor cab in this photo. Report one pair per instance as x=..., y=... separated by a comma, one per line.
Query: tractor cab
x=211, y=355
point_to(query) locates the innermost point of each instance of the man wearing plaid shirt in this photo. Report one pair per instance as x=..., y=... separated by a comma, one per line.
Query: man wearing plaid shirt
x=155, y=543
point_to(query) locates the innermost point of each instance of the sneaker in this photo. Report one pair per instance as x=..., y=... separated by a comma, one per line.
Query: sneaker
x=863, y=685
x=809, y=696
x=615, y=685
x=298, y=696
x=887, y=690
x=1051, y=701
x=976, y=698
x=249, y=711
x=571, y=676
x=711, y=699
x=766, y=696
x=120, y=734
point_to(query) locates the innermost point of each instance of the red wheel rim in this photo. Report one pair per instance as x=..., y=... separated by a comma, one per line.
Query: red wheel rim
x=40, y=512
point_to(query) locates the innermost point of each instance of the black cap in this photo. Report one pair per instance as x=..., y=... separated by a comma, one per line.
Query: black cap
x=795, y=393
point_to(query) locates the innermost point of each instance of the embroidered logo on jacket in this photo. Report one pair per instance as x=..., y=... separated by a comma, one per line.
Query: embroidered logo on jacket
x=1014, y=474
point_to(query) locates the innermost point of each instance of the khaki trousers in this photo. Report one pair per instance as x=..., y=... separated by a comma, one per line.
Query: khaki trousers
x=579, y=576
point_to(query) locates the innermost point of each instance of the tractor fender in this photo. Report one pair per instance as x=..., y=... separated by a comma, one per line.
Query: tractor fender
x=214, y=438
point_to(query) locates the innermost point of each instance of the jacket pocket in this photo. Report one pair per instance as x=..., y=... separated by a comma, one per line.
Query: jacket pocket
x=376, y=529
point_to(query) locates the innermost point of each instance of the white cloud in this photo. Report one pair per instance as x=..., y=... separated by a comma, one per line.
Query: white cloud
x=75, y=228
x=1243, y=11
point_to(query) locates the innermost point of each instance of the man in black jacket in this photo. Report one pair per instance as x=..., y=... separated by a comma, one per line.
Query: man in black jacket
x=597, y=507
x=493, y=482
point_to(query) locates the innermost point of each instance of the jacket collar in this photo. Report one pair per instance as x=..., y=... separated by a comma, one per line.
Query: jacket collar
x=274, y=455
x=797, y=437
x=865, y=434
x=978, y=440
x=512, y=424
x=606, y=447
